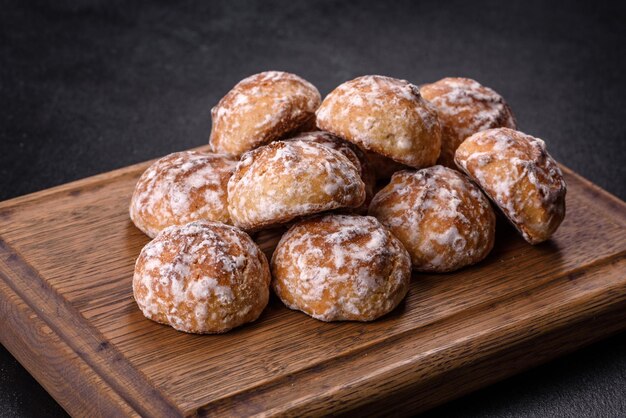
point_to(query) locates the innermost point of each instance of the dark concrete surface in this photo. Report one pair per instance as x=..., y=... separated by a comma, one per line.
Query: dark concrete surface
x=87, y=87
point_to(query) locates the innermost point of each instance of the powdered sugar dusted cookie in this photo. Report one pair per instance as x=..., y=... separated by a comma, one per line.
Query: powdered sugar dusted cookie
x=384, y=115
x=352, y=152
x=442, y=218
x=283, y=180
x=341, y=267
x=465, y=107
x=202, y=277
x=518, y=174
x=262, y=108
x=180, y=188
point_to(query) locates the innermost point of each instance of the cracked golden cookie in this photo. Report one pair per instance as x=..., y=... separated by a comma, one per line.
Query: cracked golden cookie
x=341, y=268
x=284, y=180
x=519, y=176
x=180, y=188
x=442, y=218
x=384, y=115
x=202, y=277
x=352, y=152
x=260, y=109
x=465, y=107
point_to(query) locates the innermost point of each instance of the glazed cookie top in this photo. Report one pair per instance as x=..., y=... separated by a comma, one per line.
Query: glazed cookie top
x=518, y=174
x=180, y=188
x=262, y=108
x=341, y=267
x=465, y=107
x=384, y=115
x=441, y=217
x=283, y=180
x=201, y=277
x=351, y=151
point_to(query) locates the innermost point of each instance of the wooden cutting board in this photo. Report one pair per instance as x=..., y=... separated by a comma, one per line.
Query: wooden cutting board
x=67, y=314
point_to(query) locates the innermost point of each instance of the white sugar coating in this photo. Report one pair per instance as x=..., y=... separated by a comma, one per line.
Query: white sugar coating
x=262, y=108
x=182, y=187
x=352, y=152
x=482, y=107
x=339, y=267
x=509, y=161
x=244, y=98
x=287, y=179
x=440, y=216
x=193, y=275
x=376, y=92
x=384, y=115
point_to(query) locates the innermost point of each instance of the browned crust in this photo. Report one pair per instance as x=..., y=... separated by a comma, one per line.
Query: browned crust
x=442, y=218
x=522, y=179
x=280, y=104
x=384, y=115
x=310, y=247
x=465, y=107
x=285, y=180
x=353, y=153
x=150, y=208
x=219, y=258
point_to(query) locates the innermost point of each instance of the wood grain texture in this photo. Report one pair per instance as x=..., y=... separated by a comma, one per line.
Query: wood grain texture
x=67, y=314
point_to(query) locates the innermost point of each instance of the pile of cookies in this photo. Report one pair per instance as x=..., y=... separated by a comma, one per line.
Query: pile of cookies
x=378, y=179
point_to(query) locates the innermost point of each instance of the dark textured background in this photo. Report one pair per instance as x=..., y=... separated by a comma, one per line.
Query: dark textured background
x=93, y=86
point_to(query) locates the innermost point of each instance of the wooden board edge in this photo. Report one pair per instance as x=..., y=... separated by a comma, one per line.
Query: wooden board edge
x=87, y=343
x=598, y=313
x=613, y=205
x=518, y=358
x=73, y=384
